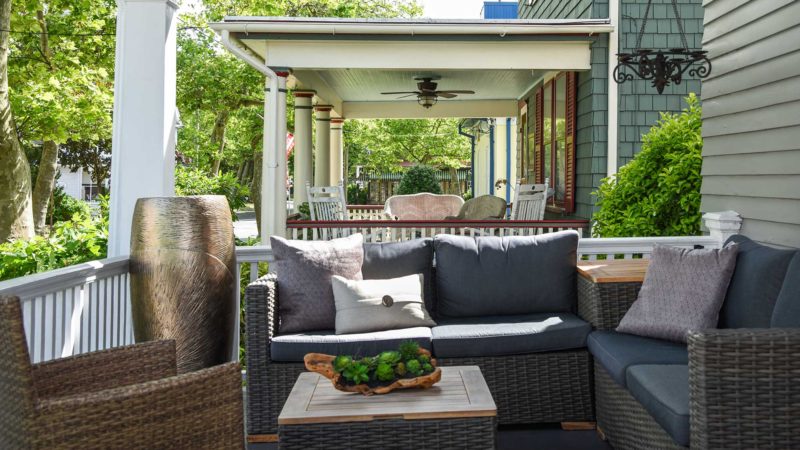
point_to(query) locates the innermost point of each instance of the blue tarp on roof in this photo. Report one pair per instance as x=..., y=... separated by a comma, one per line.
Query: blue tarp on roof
x=499, y=10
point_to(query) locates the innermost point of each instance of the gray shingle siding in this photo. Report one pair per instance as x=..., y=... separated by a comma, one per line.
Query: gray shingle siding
x=751, y=116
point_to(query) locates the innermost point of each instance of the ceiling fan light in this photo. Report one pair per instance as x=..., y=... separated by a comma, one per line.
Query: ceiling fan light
x=427, y=100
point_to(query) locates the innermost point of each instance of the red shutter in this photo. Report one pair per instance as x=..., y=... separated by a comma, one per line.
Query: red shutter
x=539, y=137
x=570, y=130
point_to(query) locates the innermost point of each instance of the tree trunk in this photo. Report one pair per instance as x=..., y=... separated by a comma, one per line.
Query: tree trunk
x=44, y=185
x=455, y=185
x=255, y=190
x=16, y=213
x=218, y=137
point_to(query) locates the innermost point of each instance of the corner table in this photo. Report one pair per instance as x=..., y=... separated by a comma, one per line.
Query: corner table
x=607, y=289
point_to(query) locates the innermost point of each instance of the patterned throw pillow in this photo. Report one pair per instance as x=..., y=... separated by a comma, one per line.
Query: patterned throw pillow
x=379, y=305
x=683, y=290
x=304, y=269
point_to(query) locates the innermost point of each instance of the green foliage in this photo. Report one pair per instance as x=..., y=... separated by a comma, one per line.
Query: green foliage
x=400, y=369
x=80, y=239
x=658, y=192
x=341, y=362
x=419, y=179
x=356, y=195
x=64, y=207
x=427, y=367
x=356, y=372
x=384, y=372
x=390, y=357
x=409, y=350
x=414, y=367
x=190, y=181
x=424, y=359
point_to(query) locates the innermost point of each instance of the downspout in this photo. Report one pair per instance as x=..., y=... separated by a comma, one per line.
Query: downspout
x=508, y=160
x=471, y=158
x=270, y=161
x=491, y=156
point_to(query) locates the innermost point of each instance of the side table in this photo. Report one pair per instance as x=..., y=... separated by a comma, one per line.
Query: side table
x=607, y=289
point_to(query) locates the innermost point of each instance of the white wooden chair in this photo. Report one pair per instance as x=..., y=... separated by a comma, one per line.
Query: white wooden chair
x=530, y=201
x=327, y=203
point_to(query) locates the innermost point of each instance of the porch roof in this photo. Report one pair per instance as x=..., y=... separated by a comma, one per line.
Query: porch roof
x=349, y=62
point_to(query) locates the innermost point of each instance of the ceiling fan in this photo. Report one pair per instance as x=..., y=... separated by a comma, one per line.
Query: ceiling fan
x=427, y=95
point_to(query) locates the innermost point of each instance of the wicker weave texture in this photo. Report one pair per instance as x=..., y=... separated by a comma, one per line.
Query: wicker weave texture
x=604, y=304
x=624, y=421
x=745, y=388
x=393, y=434
x=16, y=380
x=537, y=388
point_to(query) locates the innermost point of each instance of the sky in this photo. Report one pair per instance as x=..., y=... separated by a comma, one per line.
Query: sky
x=452, y=9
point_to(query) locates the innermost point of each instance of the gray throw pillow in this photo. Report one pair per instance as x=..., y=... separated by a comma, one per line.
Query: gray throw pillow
x=379, y=305
x=304, y=270
x=683, y=290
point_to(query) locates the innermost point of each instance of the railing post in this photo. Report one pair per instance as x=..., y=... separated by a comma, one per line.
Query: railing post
x=722, y=225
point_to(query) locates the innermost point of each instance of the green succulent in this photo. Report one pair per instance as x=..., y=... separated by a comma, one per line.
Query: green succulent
x=414, y=367
x=341, y=362
x=424, y=359
x=427, y=367
x=356, y=372
x=390, y=358
x=369, y=362
x=409, y=350
x=384, y=372
x=400, y=369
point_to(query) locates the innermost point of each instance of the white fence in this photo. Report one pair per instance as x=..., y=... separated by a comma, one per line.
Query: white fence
x=86, y=307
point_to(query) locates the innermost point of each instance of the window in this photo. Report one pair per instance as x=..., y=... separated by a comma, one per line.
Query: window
x=551, y=138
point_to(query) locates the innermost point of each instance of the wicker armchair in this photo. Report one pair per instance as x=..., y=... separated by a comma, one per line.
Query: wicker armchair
x=743, y=385
x=127, y=397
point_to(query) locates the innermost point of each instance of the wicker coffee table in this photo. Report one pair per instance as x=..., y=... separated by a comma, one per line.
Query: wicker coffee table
x=456, y=413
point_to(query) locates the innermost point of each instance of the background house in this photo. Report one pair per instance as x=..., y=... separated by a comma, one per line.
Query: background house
x=569, y=131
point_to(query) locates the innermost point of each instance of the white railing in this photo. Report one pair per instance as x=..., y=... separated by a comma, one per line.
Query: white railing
x=86, y=307
x=366, y=212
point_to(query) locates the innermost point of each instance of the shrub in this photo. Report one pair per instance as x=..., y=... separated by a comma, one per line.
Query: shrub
x=419, y=179
x=356, y=195
x=189, y=181
x=658, y=192
x=65, y=207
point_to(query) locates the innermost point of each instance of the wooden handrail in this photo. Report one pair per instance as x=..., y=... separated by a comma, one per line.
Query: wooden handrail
x=437, y=223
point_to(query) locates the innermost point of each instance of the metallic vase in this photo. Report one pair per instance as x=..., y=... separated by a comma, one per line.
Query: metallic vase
x=182, y=268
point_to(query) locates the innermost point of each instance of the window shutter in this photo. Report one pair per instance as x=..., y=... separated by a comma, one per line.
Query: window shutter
x=538, y=137
x=570, y=131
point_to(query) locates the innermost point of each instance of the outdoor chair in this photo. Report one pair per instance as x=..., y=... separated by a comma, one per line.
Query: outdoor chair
x=126, y=397
x=530, y=201
x=485, y=207
x=423, y=206
x=327, y=203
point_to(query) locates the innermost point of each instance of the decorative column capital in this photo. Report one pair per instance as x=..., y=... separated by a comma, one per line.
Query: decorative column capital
x=323, y=108
x=337, y=120
x=304, y=93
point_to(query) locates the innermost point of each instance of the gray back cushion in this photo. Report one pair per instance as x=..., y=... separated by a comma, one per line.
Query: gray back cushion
x=383, y=261
x=787, y=307
x=755, y=284
x=509, y=275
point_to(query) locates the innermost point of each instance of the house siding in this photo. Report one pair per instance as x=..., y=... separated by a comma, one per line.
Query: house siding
x=751, y=116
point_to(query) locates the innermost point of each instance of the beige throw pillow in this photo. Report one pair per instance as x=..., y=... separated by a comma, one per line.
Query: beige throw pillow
x=363, y=306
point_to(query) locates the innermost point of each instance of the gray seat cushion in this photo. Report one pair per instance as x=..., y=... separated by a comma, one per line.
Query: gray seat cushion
x=293, y=347
x=489, y=276
x=663, y=390
x=755, y=284
x=508, y=335
x=398, y=259
x=618, y=351
x=787, y=306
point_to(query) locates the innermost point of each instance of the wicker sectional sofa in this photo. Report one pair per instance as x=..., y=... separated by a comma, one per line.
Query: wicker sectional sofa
x=733, y=387
x=537, y=365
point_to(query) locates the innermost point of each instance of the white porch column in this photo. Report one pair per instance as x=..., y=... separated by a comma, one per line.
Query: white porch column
x=302, y=145
x=280, y=192
x=144, y=131
x=322, y=159
x=722, y=225
x=337, y=151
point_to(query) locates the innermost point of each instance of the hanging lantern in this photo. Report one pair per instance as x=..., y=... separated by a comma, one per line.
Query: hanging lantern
x=663, y=67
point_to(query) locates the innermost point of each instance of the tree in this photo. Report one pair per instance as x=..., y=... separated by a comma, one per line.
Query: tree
x=419, y=179
x=95, y=156
x=16, y=214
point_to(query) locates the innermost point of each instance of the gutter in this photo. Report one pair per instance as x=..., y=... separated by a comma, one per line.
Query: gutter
x=508, y=160
x=472, y=156
x=269, y=166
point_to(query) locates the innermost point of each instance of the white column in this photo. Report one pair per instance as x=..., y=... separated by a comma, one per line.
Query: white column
x=302, y=145
x=322, y=159
x=722, y=225
x=280, y=186
x=612, y=154
x=144, y=131
x=337, y=151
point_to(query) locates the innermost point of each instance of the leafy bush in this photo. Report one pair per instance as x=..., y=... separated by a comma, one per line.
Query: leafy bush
x=658, y=192
x=65, y=207
x=385, y=367
x=189, y=181
x=356, y=195
x=419, y=179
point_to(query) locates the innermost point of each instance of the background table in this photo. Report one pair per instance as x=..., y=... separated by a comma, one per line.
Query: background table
x=456, y=413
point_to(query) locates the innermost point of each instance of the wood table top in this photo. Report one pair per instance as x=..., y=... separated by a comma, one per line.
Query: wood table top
x=614, y=270
x=462, y=392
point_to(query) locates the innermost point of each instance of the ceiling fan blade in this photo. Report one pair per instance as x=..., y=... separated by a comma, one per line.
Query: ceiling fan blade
x=446, y=94
x=401, y=92
x=406, y=96
x=456, y=92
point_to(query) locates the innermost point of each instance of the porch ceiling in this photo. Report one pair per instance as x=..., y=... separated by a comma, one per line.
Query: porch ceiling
x=349, y=62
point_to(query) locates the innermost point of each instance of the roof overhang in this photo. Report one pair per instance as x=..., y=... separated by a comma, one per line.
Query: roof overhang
x=348, y=62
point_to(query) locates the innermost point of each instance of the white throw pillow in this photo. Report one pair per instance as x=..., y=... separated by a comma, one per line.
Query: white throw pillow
x=363, y=306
